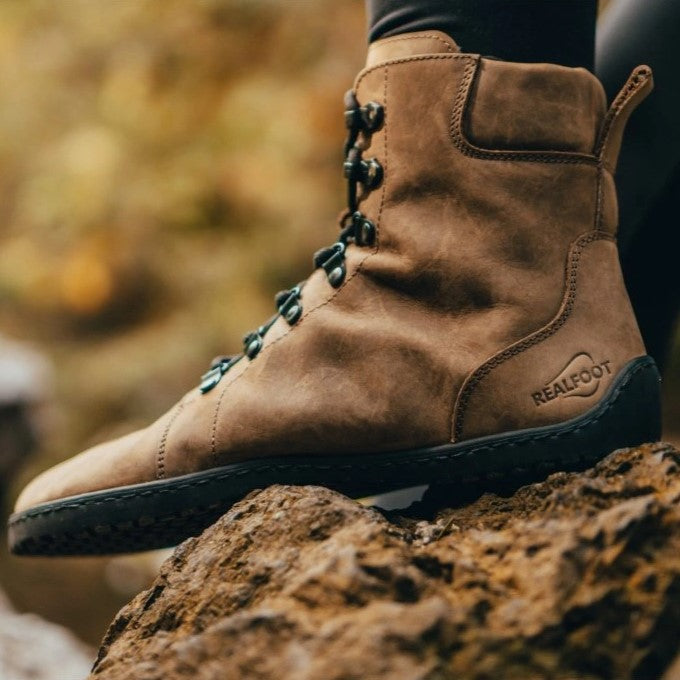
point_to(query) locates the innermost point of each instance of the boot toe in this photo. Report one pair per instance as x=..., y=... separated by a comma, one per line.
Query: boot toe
x=117, y=463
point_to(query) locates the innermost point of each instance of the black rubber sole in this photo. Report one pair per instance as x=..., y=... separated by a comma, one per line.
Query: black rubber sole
x=164, y=512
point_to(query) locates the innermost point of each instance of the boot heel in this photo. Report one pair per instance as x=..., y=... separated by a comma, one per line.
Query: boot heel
x=629, y=414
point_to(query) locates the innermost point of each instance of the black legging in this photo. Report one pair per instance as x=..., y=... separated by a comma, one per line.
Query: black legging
x=554, y=31
x=630, y=32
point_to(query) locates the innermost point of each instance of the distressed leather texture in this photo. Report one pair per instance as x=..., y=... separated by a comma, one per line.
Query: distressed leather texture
x=526, y=385
x=564, y=114
x=495, y=222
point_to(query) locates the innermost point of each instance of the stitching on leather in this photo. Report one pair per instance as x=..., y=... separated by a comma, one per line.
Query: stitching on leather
x=216, y=412
x=599, y=198
x=430, y=36
x=529, y=341
x=404, y=60
x=160, y=457
x=576, y=427
x=385, y=175
x=637, y=79
x=461, y=104
x=330, y=298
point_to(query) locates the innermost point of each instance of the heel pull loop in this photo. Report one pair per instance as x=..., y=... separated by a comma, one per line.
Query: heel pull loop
x=637, y=87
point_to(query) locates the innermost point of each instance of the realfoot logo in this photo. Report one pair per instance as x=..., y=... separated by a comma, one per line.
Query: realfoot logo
x=581, y=377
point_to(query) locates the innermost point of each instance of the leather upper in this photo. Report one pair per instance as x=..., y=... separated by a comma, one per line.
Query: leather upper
x=494, y=216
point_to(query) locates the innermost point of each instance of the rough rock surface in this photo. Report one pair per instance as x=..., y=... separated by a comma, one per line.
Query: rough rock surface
x=574, y=577
x=34, y=649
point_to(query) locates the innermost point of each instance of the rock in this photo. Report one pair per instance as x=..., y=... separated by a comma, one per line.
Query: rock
x=574, y=577
x=34, y=649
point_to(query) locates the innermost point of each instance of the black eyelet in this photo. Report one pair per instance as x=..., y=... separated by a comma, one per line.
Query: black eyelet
x=363, y=229
x=366, y=232
x=337, y=275
x=290, y=308
x=219, y=366
x=210, y=379
x=281, y=297
x=373, y=116
x=253, y=347
x=320, y=256
x=353, y=119
x=371, y=173
x=353, y=167
x=332, y=261
x=328, y=257
x=293, y=314
x=350, y=100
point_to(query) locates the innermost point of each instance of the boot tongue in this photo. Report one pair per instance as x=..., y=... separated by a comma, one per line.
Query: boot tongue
x=408, y=45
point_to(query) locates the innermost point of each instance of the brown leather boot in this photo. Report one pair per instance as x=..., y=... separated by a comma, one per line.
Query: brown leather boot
x=471, y=320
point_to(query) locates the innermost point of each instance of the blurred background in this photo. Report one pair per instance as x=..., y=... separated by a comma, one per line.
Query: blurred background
x=165, y=167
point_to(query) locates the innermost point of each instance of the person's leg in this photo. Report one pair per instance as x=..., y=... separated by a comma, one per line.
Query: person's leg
x=631, y=33
x=558, y=31
x=649, y=263
x=648, y=176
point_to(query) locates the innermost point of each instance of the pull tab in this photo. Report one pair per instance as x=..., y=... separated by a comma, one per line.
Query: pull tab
x=637, y=87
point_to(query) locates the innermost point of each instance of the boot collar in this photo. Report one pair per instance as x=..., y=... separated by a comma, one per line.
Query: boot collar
x=408, y=45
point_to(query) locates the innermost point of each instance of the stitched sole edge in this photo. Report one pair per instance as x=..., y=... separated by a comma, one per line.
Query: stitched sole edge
x=164, y=512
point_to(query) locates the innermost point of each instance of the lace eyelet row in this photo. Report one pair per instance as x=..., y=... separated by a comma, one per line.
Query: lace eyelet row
x=356, y=228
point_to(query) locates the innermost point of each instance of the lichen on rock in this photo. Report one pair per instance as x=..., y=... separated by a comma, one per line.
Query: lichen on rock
x=577, y=576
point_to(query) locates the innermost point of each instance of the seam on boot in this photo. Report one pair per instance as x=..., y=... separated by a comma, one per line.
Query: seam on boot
x=404, y=60
x=336, y=292
x=463, y=102
x=599, y=198
x=638, y=78
x=612, y=114
x=160, y=456
x=419, y=36
x=563, y=314
x=607, y=202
